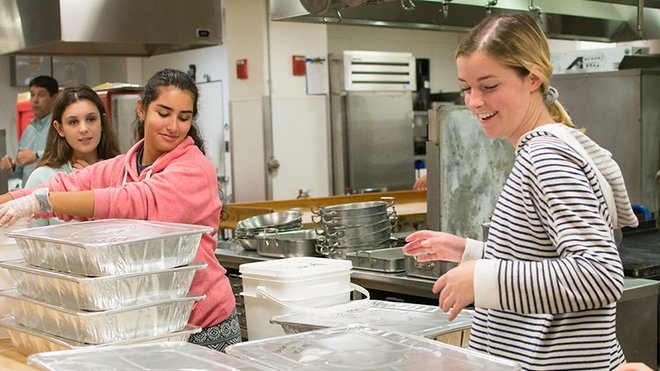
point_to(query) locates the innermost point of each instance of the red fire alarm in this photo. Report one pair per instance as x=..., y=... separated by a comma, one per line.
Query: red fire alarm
x=299, y=67
x=242, y=69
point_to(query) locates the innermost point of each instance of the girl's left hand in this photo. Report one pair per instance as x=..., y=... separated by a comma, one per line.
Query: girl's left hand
x=456, y=289
x=80, y=164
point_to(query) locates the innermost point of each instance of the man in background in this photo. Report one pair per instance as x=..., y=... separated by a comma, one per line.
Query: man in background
x=43, y=91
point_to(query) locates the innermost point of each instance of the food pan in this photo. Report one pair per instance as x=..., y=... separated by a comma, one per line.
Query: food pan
x=283, y=219
x=414, y=319
x=381, y=260
x=29, y=341
x=355, y=209
x=337, y=251
x=112, y=246
x=100, y=293
x=360, y=347
x=432, y=269
x=153, y=319
x=355, y=231
x=287, y=244
x=162, y=356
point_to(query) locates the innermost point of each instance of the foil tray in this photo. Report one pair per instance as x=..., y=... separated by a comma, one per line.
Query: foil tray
x=162, y=356
x=111, y=246
x=414, y=319
x=361, y=347
x=153, y=319
x=29, y=341
x=100, y=293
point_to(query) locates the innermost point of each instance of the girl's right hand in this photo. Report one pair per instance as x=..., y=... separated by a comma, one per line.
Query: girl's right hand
x=432, y=245
x=79, y=165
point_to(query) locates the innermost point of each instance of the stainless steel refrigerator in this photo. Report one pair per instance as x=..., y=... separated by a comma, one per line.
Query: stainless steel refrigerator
x=372, y=121
x=620, y=111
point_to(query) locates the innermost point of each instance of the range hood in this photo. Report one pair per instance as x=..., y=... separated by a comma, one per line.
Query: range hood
x=604, y=21
x=107, y=27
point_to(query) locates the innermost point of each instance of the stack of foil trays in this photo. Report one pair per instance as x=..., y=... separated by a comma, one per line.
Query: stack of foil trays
x=102, y=283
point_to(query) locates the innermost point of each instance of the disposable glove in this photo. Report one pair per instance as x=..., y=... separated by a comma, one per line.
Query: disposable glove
x=24, y=207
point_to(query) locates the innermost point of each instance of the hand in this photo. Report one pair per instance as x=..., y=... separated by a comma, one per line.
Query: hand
x=18, y=208
x=26, y=157
x=6, y=163
x=456, y=289
x=420, y=184
x=637, y=366
x=436, y=246
x=79, y=165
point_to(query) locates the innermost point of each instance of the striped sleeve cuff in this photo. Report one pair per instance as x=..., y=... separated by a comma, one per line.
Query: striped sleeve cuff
x=486, y=288
x=473, y=250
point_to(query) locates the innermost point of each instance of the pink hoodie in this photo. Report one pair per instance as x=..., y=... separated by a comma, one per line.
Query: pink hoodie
x=181, y=186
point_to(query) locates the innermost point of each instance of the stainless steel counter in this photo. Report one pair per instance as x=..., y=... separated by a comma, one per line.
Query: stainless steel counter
x=637, y=310
x=231, y=255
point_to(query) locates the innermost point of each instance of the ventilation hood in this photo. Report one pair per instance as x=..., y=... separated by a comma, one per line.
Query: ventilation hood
x=604, y=21
x=107, y=27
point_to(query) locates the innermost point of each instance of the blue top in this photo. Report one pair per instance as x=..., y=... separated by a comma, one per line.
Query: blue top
x=34, y=138
x=41, y=175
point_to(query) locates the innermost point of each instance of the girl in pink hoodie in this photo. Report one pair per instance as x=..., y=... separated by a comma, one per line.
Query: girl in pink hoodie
x=163, y=177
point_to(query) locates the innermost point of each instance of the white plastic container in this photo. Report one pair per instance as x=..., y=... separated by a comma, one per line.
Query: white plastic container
x=9, y=250
x=295, y=283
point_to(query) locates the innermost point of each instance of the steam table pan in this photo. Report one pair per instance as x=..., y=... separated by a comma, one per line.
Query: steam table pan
x=414, y=319
x=112, y=246
x=162, y=356
x=428, y=269
x=382, y=260
x=100, y=293
x=153, y=319
x=29, y=341
x=359, y=347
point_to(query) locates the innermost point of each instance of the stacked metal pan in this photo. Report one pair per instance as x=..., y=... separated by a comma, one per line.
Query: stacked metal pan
x=100, y=283
x=247, y=230
x=354, y=227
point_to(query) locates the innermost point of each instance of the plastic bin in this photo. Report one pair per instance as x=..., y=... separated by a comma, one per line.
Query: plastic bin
x=282, y=286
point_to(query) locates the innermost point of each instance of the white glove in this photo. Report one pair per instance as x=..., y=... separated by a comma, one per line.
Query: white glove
x=24, y=207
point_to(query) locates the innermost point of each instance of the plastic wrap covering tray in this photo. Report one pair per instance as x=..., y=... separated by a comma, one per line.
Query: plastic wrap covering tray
x=361, y=347
x=153, y=319
x=28, y=341
x=100, y=293
x=163, y=356
x=112, y=246
x=414, y=319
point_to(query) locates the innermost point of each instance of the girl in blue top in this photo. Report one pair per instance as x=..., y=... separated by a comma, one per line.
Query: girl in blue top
x=80, y=135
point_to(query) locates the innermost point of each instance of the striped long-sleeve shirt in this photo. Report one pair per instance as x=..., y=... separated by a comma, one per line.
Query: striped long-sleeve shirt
x=549, y=276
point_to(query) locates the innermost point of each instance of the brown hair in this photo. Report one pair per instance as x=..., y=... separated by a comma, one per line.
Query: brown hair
x=58, y=151
x=516, y=41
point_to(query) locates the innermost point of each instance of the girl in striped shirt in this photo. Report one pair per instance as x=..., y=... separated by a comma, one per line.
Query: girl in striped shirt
x=546, y=281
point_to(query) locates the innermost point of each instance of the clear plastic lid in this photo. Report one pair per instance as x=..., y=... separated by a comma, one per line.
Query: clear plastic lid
x=414, y=319
x=360, y=347
x=161, y=356
x=108, y=232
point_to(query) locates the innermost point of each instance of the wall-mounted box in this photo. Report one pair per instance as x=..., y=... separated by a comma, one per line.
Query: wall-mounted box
x=24, y=67
x=69, y=70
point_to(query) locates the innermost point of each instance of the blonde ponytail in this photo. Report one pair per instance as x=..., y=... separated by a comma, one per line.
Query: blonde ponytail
x=559, y=114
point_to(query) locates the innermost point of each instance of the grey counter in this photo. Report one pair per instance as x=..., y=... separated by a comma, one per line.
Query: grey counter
x=231, y=256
